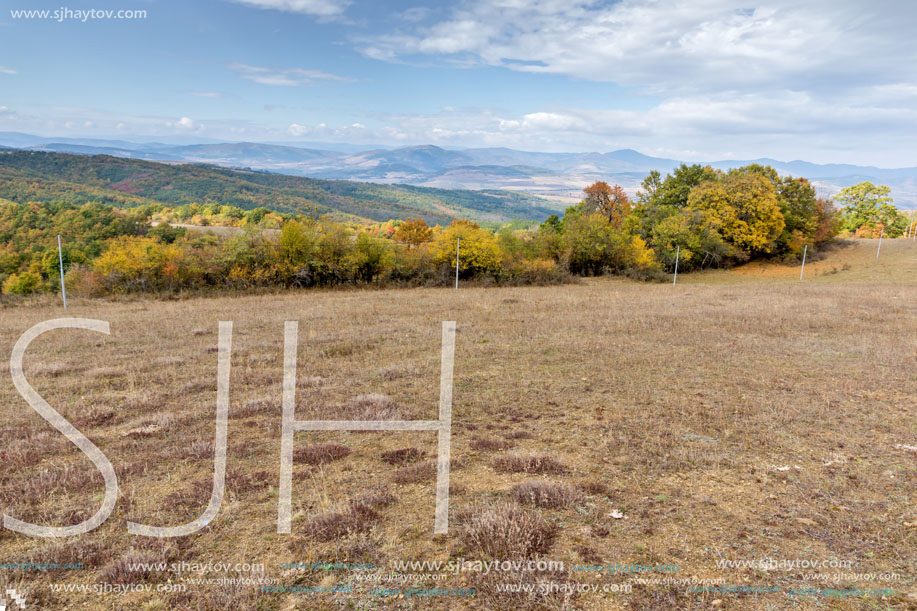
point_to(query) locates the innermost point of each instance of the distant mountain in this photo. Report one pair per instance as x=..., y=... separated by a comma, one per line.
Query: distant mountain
x=45, y=176
x=236, y=153
x=559, y=176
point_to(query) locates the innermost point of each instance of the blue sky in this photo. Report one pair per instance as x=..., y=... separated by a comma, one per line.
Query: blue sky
x=826, y=81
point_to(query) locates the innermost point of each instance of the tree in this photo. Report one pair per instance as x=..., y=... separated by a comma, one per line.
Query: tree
x=744, y=209
x=697, y=241
x=368, y=259
x=674, y=190
x=413, y=232
x=799, y=205
x=479, y=252
x=829, y=221
x=869, y=206
x=296, y=243
x=758, y=219
x=593, y=244
x=610, y=201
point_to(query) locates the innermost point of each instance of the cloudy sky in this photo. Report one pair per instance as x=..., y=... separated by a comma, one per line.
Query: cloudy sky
x=821, y=80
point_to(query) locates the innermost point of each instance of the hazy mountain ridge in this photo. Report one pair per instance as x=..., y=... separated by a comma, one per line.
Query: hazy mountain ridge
x=555, y=175
x=119, y=181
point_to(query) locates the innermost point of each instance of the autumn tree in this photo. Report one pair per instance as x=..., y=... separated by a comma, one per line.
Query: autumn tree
x=609, y=200
x=479, y=251
x=413, y=232
x=744, y=209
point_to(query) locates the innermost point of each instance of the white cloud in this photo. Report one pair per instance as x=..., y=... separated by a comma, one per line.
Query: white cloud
x=206, y=94
x=284, y=77
x=6, y=70
x=786, y=125
x=186, y=125
x=319, y=8
x=296, y=129
x=832, y=79
x=672, y=45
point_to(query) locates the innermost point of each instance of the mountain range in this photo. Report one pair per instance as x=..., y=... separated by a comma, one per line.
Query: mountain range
x=41, y=176
x=558, y=176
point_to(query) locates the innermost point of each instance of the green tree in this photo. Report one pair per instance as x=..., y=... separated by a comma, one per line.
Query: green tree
x=297, y=241
x=594, y=244
x=369, y=258
x=868, y=205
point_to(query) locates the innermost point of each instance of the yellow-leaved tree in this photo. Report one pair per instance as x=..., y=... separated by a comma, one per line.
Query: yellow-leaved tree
x=479, y=252
x=744, y=208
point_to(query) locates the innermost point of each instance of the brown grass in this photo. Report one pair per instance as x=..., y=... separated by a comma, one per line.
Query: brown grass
x=372, y=406
x=678, y=407
x=546, y=494
x=402, y=456
x=415, y=474
x=321, y=454
x=360, y=516
x=529, y=463
x=489, y=444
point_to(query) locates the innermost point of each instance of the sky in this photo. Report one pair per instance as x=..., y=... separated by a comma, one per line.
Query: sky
x=827, y=81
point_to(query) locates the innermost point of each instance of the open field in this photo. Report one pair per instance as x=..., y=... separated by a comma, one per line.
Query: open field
x=737, y=416
x=848, y=261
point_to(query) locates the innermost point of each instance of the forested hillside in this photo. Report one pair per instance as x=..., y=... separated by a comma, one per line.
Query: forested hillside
x=695, y=218
x=45, y=177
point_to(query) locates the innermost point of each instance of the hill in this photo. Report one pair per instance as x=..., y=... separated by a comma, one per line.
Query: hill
x=47, y=176
x=557, y=175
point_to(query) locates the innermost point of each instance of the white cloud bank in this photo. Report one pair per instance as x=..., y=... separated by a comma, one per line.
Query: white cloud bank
x=834, y=79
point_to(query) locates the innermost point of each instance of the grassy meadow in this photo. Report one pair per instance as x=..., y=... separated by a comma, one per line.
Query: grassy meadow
x=739, y=415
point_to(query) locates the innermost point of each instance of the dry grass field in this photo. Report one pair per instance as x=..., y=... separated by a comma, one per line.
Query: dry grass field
x=738, y=416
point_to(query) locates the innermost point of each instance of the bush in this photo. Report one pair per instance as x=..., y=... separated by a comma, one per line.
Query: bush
x=506, y=530
x=529, y=463
x=546, y=494
x=25, y=283
x=321, y=454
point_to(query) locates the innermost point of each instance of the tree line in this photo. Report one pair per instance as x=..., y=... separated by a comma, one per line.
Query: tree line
x=710, y=217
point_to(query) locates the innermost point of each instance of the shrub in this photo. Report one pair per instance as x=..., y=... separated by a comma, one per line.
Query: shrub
x=25, y=283
x=402, y=456
x=415, y=474
x=529, y=463
x=545, y=494
x=479, y=252
x=507, y=530
x=489, y=445
x=360, y=516
x=321, y=454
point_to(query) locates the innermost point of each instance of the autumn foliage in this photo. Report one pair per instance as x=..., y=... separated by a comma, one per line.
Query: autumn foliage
x=711, y=218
